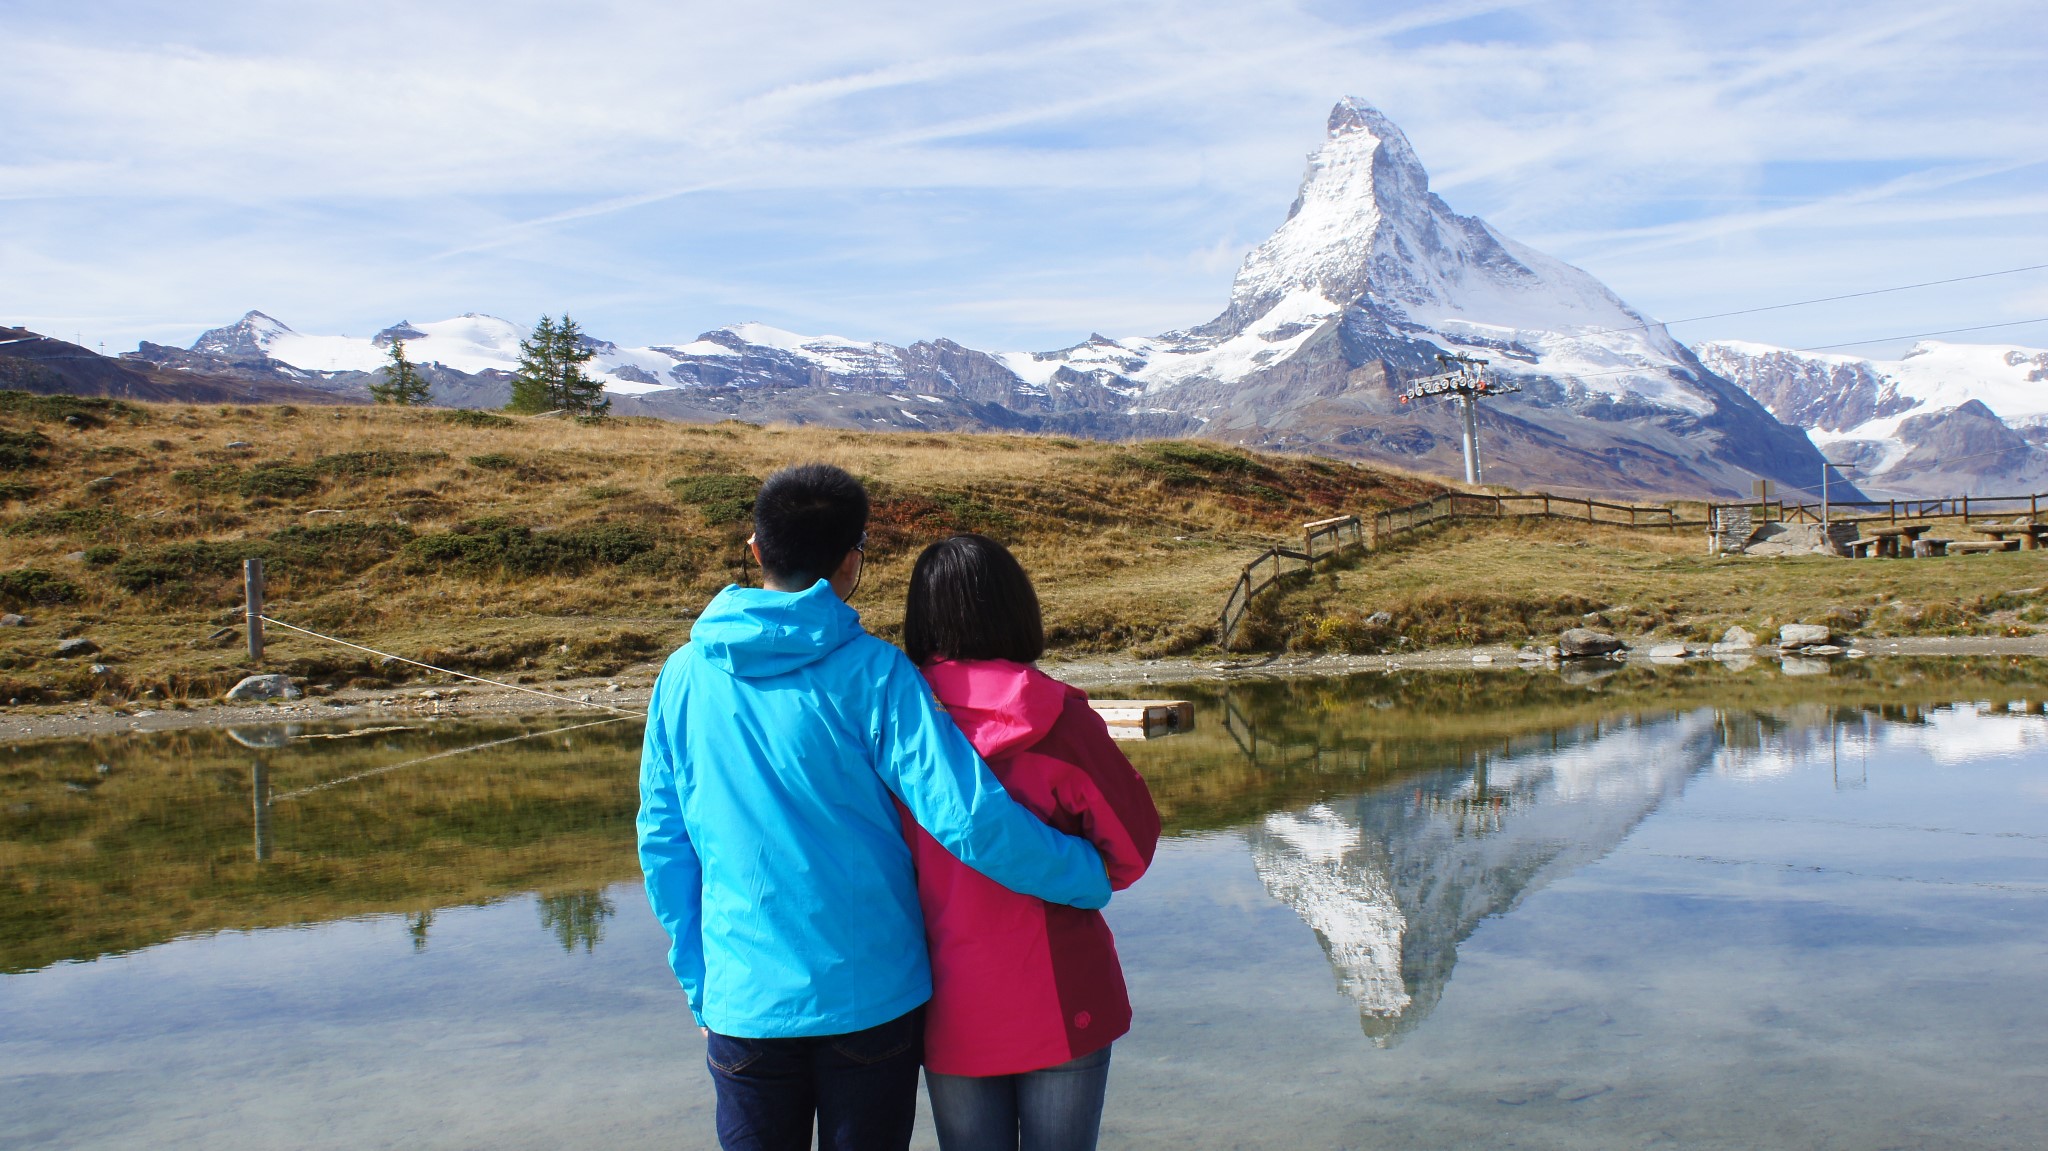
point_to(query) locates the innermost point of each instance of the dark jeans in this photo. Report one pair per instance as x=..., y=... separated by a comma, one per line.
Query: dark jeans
x=860, y=1087
x=1057, y=1108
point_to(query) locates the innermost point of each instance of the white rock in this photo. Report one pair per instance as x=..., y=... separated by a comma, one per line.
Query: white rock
x=1803, y=635
x=274, y=686
x=1668, y=651
x=1482, y=657
x=1737, y=638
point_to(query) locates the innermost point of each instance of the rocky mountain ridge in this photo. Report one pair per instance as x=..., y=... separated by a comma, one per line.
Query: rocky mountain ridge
x=1942, y=420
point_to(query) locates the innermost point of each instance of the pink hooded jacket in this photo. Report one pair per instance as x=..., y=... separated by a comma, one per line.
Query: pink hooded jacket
x=1017, y=983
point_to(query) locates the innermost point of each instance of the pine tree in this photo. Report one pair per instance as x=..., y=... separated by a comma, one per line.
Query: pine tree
x=402, y=384
x=574, y=391
x=533, y=386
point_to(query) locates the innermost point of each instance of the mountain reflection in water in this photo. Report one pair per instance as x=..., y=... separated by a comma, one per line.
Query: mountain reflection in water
x=1394, y=879
x=1404, y=812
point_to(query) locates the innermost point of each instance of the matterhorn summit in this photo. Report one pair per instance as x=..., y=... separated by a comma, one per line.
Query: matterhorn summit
x=1370, y=278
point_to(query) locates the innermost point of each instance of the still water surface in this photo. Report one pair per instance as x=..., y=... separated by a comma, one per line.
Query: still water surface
x=1685, y=909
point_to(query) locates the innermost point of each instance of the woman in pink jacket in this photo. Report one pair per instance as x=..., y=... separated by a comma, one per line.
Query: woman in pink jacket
x=1027, y=996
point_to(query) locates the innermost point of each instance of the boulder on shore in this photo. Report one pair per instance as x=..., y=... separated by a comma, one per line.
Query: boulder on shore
x=1668, y=651
x=76, y=645
x=1803, y=635
x=1580, y=642
x=274, y=686
x=1737, y=638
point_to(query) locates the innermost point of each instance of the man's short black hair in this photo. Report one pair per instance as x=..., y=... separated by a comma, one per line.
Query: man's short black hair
x=806, y=518
x=970, y=599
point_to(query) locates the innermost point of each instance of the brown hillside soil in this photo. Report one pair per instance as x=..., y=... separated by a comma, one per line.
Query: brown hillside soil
x=539, y=549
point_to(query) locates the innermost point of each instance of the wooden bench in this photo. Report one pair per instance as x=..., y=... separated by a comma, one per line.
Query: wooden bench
x=2022, y=535
x=1980, y=547
x=1860, y=549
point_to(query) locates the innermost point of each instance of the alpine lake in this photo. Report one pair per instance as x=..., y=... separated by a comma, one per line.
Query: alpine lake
x=1689, y=907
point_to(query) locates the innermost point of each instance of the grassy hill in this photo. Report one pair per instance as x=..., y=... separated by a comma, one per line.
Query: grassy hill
x=539, y=548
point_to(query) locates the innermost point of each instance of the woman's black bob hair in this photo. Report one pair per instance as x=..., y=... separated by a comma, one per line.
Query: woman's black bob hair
x=970, y=599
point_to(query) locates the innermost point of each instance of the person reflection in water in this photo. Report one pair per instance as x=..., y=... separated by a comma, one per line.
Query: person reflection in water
x=1027, y=996
x=780, y=741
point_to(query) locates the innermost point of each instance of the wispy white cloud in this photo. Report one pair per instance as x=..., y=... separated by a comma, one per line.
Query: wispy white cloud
x=1007, y=173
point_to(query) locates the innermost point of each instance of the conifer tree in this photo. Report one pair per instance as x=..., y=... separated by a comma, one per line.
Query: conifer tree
x=574, y=391
x=402, y=383
x=533, y=385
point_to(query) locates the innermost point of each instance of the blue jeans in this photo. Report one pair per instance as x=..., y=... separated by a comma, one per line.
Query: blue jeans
x=861, y=1088
x=1057, y=1108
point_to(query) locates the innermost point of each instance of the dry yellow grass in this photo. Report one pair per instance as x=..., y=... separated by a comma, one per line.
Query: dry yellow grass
x=541, y=547
x=1482, y=581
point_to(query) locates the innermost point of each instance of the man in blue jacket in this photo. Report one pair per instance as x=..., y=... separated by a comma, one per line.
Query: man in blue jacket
x=778, y=740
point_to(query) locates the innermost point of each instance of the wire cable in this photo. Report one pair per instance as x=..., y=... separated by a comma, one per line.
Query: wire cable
x=1818, y=300
x=623, y=712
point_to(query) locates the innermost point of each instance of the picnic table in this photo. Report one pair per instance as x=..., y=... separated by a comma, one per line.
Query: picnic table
x=1886, y=541
x=2025, y=535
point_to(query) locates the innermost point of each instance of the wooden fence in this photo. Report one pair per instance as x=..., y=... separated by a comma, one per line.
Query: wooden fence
x=1335, y=535
x=1890, y=511
x=1395, y=521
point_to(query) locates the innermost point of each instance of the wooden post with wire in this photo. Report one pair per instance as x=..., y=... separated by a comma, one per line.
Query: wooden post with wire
x=252, y=610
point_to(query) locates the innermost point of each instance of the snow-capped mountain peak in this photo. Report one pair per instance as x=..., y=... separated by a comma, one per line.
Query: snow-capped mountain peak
x=1923, y=424
x=249, y=337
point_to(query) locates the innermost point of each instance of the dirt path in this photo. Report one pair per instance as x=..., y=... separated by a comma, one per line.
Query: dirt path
x=1115, y=677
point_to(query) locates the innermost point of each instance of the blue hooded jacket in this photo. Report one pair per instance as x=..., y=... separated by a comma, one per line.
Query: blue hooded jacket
x=774, y=856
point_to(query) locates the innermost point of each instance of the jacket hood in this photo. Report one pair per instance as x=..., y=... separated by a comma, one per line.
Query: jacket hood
x=754, y=632
x=1000, y=706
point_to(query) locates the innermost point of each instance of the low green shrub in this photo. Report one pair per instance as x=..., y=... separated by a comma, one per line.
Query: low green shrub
x=494, y=462
x=25, y=587
x=20, y=451
x=473, y=418
x=338, y=549
x=721, y=498
x=91, y=411
x=67, y=522
x=498, y=545
x=1183, y=463
x=280, y=480
x=374, y=464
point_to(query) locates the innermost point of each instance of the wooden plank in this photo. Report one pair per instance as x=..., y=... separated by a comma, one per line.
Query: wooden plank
x=1144, y=718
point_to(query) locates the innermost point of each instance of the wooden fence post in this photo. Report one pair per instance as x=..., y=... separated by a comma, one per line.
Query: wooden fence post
x=252, y=606
x=259, y=787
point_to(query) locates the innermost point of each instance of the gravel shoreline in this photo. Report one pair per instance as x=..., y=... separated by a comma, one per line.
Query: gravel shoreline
x=627, y=692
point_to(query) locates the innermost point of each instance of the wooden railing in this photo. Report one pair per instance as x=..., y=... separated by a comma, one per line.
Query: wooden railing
x=1335, y=535
x=1891, y=511
x=1395, y=521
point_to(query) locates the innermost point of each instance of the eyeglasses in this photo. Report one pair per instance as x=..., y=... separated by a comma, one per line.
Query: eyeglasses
x=860, y=545
x=862, y=570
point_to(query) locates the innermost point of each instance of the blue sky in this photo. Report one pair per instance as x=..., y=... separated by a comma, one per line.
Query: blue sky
x=1010, y=175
